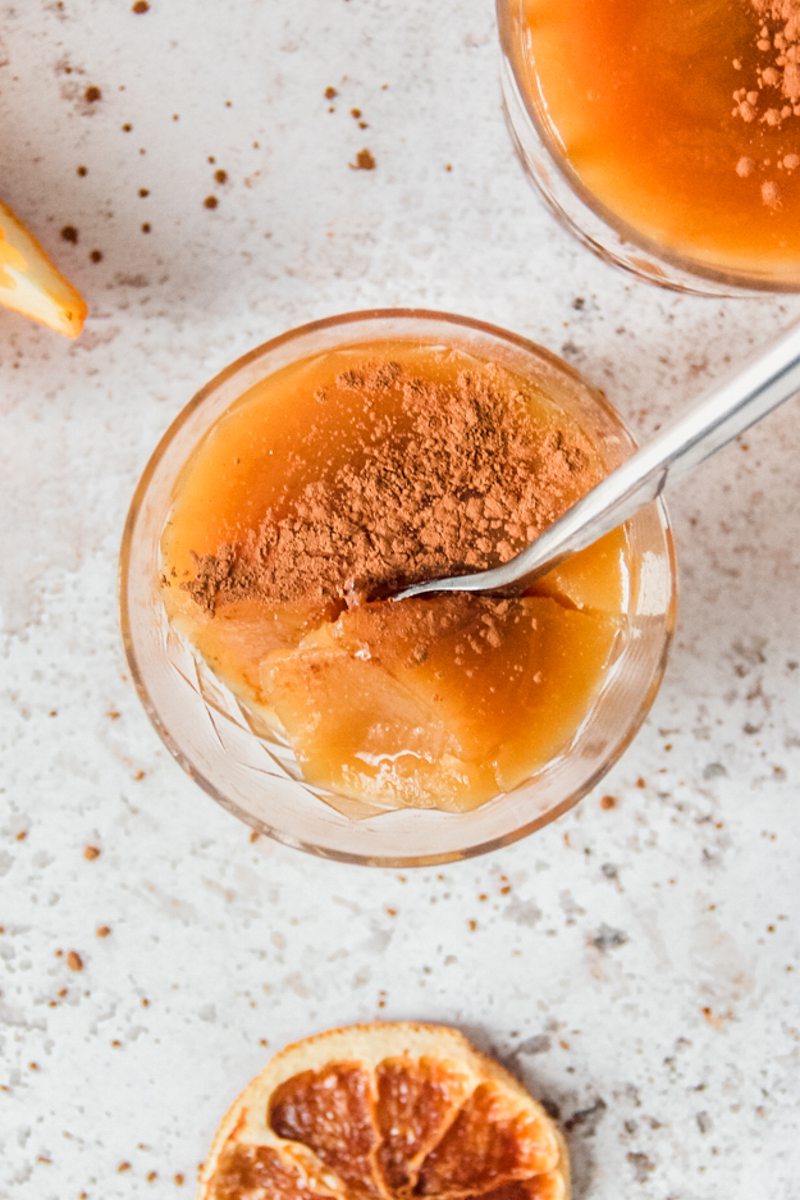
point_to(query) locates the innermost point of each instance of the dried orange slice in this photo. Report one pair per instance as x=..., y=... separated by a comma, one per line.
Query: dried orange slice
x=31, y=284
x=385, y=1111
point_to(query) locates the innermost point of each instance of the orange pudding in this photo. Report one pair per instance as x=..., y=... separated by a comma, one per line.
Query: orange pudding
x=681, y=117
x=341, y=477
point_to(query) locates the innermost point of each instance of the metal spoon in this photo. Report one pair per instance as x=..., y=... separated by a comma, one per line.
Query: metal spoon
x=726, y=410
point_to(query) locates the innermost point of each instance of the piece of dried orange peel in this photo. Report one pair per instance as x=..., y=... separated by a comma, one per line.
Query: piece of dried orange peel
x=31, y=284
x=375, y=1112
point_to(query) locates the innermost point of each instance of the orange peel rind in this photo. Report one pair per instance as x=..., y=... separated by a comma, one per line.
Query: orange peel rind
x=31, y=284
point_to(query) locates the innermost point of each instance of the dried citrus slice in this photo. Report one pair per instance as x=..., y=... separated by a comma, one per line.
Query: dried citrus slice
x=31, y=284
x=377, y=1112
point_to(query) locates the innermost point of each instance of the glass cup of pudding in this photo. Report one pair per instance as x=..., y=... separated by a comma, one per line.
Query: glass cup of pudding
x=286, y=504
x=665, y=134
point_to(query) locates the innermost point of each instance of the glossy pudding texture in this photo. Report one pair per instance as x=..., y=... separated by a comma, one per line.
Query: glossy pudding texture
x=682, y=117
x=343, y=476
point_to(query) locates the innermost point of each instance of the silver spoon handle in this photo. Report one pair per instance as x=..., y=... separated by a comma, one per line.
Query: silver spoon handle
x=726, y=410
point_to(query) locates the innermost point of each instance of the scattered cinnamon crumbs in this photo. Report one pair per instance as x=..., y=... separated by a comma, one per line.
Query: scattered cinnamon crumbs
x=455, y=478
x=608, y=802
x=70, y=234
x=74, y=960
x=96, y=256
x=221, y=176
x=211, y=202
x=92, y=94
x=330, y=93
x=364, y=162
x=140, y=7
x=103, y=931
x=772, y=95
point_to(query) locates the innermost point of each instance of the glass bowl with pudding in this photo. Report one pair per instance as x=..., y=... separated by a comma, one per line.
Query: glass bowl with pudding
x=665, y=134
x=295, y=494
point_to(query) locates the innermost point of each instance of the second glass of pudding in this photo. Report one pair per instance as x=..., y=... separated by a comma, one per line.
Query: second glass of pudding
x=664, y=133
x=295, y=494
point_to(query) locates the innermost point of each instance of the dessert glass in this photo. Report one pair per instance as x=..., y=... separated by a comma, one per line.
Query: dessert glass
x=253, y=773
x=576, y=207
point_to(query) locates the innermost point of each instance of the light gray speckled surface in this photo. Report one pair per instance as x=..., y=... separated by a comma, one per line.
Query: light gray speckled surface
x=638, y=965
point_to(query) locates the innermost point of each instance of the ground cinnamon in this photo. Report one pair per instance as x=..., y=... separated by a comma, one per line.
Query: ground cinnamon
x=773, y=95
x=456, y=477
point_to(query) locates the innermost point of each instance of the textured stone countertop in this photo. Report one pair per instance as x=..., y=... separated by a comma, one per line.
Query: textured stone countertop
x=636, y=962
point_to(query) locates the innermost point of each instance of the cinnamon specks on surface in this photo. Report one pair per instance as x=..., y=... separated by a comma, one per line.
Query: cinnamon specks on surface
x=91, y=852
x=74, y=960
x=365, y=161
x=770, y=96
x=70, y=234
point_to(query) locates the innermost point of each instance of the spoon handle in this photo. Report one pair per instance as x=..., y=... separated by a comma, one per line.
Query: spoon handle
x=729, y=408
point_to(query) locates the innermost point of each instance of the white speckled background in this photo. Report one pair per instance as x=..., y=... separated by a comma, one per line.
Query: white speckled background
x=638, y=964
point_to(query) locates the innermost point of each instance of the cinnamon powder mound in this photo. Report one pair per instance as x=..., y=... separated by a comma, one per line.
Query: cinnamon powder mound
x=452, y=477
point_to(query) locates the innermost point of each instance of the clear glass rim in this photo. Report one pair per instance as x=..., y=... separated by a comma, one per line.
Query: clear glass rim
x=730, y=283
x=344, y=321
